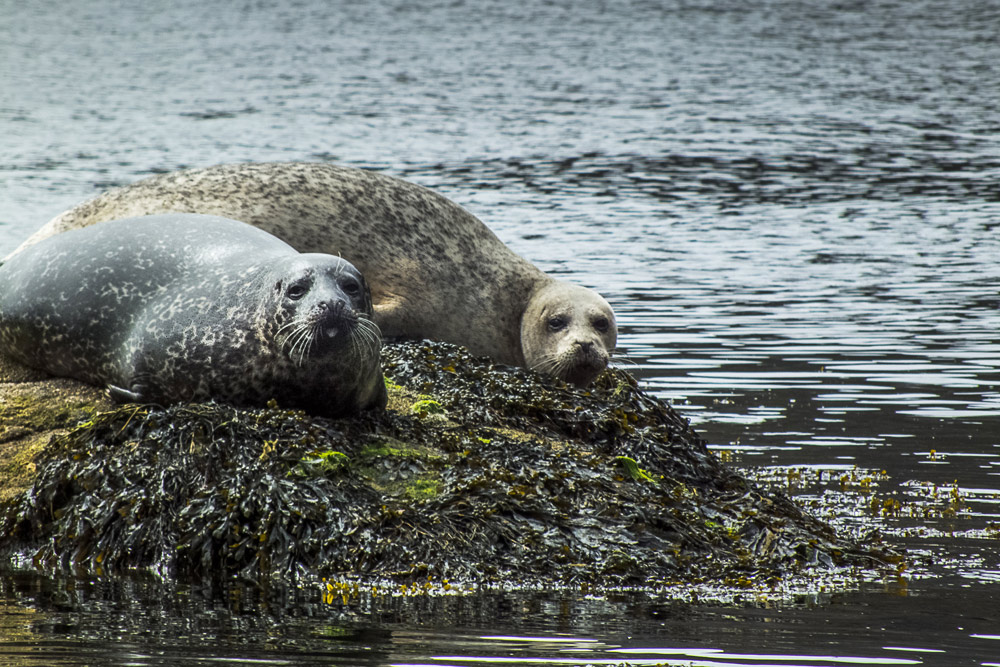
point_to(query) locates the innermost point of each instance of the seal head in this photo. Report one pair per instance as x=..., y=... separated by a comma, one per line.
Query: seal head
x=568, y=331
x=321, y=318
x=323, y=303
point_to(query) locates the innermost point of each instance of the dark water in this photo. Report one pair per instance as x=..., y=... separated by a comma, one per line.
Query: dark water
x=794, y=207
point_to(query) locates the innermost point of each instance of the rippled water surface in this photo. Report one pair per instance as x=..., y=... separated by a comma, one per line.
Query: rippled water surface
x=794, y=208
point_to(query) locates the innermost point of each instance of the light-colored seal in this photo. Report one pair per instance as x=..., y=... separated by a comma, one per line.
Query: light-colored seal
x=193, y=307
x=435, y=270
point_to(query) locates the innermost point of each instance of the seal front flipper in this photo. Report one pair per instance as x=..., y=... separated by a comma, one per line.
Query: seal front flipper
x=122, y=395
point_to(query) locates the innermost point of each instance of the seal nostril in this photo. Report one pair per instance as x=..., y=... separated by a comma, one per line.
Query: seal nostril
x=335, y=307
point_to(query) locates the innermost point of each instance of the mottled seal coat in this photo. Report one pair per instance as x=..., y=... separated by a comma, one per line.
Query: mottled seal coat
x=193, y=307
x=435, y=270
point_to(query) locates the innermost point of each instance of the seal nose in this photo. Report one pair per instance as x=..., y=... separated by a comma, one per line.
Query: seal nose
x=585, y=345
x=335, y=316
x=335, y=307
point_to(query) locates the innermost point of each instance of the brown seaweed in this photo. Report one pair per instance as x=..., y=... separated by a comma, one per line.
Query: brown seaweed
x=477, y=473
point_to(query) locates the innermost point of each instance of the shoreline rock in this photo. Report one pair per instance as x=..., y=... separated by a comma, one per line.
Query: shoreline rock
x=476, y=472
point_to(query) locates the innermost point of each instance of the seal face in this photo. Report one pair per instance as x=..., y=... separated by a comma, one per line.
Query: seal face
x=435, y=270
x=190, y=308
x=567, y=331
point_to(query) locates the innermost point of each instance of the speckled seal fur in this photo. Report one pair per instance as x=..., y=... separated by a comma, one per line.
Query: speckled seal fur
x=182, y=307
x=435, y=270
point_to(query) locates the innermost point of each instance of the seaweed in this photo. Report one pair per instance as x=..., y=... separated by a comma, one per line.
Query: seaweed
x=477, y=473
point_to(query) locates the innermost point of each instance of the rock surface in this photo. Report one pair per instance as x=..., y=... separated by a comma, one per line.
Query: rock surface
x=475, y=473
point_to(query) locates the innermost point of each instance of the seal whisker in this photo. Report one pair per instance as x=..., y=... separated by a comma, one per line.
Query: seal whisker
x=282, y=339
x=622, y=360
x=360, y=346
x=356, y=349
x=548, y=363
x=291, y=339
x=371, y=333
x=317, y=331
x=366, y=326
x=287, y=325
x=301, y=337
x=305, y=343
x=369, y=339
x=560, y=366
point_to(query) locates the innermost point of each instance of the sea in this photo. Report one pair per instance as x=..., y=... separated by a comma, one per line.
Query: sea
x=792, y=205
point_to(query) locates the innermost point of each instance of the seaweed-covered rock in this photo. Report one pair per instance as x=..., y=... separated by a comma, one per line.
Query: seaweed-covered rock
x=476, y=472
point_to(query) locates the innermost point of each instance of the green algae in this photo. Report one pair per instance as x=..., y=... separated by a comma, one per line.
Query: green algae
x=424, y=488
x=379, y=447
x=633, y=469
x=426, y=406
x=32, y=410
x=318, y=464
x=38, y=411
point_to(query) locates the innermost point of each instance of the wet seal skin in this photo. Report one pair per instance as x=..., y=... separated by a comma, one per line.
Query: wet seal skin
x=435, y=270
x=182, y=307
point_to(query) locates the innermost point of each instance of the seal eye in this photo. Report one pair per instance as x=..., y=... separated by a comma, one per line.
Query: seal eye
x=557, y=323
x=351, y=287
x=602, y=324
x=296, y=292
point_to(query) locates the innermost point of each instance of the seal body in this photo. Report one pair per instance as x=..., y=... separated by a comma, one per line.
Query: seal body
x=184, y=307
x=435, y=270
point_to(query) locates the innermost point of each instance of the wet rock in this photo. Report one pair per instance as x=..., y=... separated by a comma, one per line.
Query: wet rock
x=475, y=472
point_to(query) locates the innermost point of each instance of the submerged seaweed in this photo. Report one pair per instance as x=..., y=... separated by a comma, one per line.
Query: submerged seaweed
x=488, y=474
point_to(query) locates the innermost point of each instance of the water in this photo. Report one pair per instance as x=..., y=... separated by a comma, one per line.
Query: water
x=792, y=206
x=133, y=629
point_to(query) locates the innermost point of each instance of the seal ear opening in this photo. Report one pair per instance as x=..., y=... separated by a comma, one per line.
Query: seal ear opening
x=277, y=287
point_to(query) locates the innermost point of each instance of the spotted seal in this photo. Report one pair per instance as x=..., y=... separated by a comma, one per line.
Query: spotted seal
x=183, y=307
x=435, y=270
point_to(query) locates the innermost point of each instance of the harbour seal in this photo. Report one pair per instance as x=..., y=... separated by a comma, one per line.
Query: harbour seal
x=435, y=270
x=185, y=307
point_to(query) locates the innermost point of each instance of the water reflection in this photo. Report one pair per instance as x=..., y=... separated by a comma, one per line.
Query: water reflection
x=524, y=651
x=158, y=623
x=793, y=207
